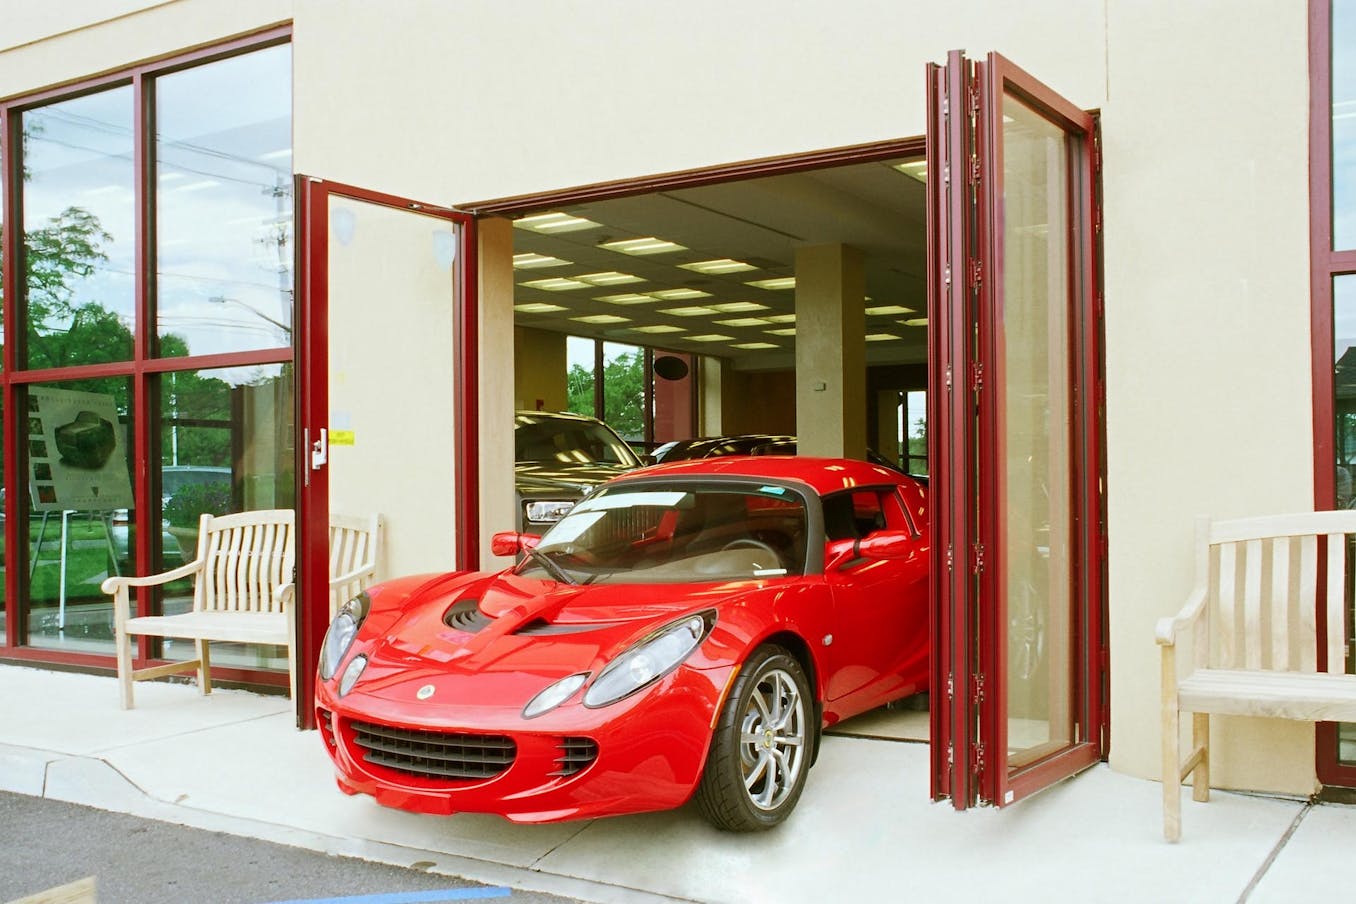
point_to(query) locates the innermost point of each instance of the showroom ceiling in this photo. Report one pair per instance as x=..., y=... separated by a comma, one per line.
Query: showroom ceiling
x=706, y=269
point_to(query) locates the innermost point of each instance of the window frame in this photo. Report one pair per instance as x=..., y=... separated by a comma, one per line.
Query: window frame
x=143, y=368
x=1326, y=264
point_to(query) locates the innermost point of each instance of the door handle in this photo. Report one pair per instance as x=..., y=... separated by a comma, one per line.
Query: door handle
x=320, y=450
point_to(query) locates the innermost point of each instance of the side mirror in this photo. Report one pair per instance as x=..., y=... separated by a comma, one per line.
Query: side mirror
x=882, y=544
x=510, y=543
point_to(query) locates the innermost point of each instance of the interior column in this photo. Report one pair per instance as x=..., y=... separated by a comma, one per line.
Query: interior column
x=830, y=351
x=495, y=270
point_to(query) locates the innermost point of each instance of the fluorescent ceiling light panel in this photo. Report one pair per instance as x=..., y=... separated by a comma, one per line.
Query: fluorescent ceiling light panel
x=737, y=307
x=679, y=294
x=782, y=331
x=555, y=284
x=625, y=298
x=880, y=337
x=781, y=318
x=744, y=321
x=754, y=345
x=602, y=318
x=556, y=221
x=710, y=337
x=781, y=282
x=723, y=265
x=530, y=259
x=658, y=328
x=883, y=309
x=917, y=321
x=538, y=307
x=650, y=245
x=689, y=312
x=916, y=169
x=608, y=278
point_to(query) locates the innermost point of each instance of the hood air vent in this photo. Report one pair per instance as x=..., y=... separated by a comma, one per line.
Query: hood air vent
x=465, y=615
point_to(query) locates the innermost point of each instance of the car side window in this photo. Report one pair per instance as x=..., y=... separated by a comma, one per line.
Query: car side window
x=858, y=513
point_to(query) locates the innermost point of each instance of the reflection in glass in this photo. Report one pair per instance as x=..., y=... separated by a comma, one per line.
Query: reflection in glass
x=79, y=231
x=1344, y=124
x=915, y=432
x=624, y=390
x=579, y=377
x=225, y=446
x=78, y=493
x=223, y=151
x=1036, y=436
x=1344, y=407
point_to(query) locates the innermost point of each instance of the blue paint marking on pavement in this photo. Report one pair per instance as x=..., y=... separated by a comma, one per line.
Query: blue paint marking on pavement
x=413, y=897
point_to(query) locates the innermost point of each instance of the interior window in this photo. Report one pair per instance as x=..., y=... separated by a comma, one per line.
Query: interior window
x=857, y=513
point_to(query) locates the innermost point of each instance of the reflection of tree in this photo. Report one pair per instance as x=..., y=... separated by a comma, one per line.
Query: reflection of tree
x=623, y=393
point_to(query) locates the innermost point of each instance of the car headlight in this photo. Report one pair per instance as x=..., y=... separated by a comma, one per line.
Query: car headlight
x=548, y=511
x=340, y=635
x=352, y=674
x=649, y=660
x=554, y=695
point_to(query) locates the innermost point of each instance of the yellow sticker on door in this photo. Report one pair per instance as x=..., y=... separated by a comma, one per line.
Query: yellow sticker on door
x=341, y=437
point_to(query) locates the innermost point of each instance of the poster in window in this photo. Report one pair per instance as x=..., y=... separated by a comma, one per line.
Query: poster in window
x=76, y=452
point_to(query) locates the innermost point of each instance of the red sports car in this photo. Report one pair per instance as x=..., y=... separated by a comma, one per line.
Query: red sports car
x=685, y=629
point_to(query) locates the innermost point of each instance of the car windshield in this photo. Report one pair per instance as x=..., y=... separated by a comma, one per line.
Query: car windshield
x=668, y=532
x=555, y=440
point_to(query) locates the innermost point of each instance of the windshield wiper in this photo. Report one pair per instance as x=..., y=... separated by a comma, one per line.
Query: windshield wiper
x=551, y=567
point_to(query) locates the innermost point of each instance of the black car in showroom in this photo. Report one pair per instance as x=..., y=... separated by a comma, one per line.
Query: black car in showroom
x=558, y=457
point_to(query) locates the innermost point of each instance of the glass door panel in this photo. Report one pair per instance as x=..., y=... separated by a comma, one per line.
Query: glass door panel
x=1035, y=417
x=386, y=391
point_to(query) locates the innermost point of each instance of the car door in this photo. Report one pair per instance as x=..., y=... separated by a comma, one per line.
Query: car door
x=879, y=647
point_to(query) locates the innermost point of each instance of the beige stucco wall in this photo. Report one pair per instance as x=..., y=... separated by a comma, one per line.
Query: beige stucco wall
x=1209, y=403
x=1205, y=148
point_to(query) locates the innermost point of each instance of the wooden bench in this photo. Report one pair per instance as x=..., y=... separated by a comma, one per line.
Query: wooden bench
x=243, y=590
x=1263, y=587
x=243, y=562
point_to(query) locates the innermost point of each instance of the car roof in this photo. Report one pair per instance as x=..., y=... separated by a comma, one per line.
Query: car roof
x=534, y=416
x=823, y=475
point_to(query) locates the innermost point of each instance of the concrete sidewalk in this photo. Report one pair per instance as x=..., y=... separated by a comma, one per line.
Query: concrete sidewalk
x=864, y=830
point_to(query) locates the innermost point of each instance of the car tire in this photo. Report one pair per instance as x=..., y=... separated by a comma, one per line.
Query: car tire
x=762, y=747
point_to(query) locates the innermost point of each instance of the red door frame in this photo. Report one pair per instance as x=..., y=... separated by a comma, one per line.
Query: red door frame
x=965, y=270
x=313, y=485
x=1327, y=263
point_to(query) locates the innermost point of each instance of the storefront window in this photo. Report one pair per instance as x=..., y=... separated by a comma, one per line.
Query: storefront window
x=79, y=201
x=624, y=390
x=224, y=245
x=216, y=280
x=580, y=379
x=225, y=446
x=78, y=496
x=1344, y=406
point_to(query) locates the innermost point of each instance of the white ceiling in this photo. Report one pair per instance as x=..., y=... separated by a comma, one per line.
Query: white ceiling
x=871, y=206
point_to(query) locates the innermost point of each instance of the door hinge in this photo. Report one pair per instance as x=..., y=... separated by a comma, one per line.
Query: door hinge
x=950, y=686
x=976, y=376
x=950, y=755
x=976, y=170
x=976, y=273
x=950, y=557
x=977, y=756
x=977, y=558
x=972, y=96
x=948, y=378
x=978, y=690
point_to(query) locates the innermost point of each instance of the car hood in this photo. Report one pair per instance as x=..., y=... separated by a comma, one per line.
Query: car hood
x=480, y=643
x=575, y=478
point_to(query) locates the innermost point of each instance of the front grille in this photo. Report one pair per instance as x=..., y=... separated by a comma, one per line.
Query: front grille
x=576, y=755
x=435, y=754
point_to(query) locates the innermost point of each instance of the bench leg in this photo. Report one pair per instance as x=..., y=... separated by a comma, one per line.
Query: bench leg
x=1200, y=741
x=204, y=668
x=1172, y=782
x=123, y=641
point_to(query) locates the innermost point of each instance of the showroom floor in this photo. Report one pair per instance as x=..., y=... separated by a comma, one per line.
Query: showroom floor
x=232, y=762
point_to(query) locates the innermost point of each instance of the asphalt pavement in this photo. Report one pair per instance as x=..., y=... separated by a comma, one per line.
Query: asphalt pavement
x=48, y=843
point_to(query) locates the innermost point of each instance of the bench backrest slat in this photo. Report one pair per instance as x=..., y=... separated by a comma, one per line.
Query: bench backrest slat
x=1264, y=606
x=246, y=556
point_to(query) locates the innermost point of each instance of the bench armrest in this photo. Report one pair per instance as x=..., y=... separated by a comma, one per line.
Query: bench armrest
x=1170, y=627
x=366, y=570
x=113, y=584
